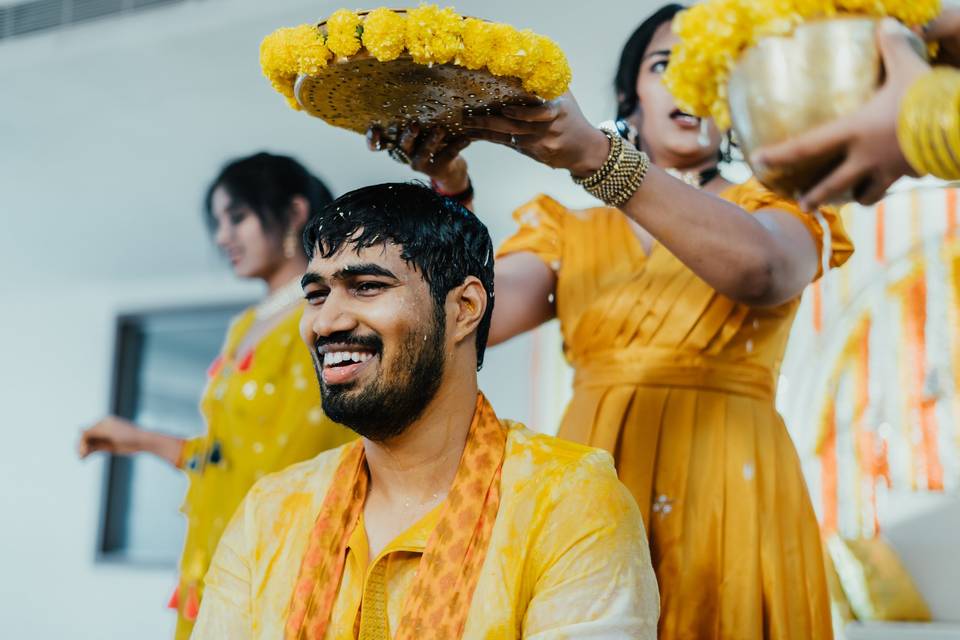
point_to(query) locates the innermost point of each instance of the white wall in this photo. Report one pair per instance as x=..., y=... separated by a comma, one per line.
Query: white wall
x=108, y=134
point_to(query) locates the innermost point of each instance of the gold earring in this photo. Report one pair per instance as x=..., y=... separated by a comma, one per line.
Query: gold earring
x=290, y=244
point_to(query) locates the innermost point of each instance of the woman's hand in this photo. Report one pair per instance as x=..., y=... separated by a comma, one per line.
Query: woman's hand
x=554, y=133
x=432, y=152
x=866, y=138
x=122, y=437
x=946, y=30
x=113, y=435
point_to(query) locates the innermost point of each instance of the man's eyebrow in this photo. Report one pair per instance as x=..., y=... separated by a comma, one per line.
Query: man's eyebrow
x=350, y=271
x=659, y=52
x=311, y=277
x=366, y=269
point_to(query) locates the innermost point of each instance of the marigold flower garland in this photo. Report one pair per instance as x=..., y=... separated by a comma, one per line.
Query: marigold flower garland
x=714, y=33
x=429, y=34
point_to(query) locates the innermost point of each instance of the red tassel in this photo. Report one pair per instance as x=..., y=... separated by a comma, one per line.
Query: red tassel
x=247, y=360
x=192, y=606
x=215, y=367
x=174, y=599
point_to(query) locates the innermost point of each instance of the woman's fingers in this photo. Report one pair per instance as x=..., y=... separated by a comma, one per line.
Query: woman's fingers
x=546, y=112
x=841, y=182
x=503, y=124
x=427, y=147
x=408, y=139
x=374, y=138
x=823, y=141
x=497, y=137
x=873, y=190
x=453, y=148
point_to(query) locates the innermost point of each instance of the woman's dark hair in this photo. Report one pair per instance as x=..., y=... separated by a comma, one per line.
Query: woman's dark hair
x=438, y=236
x=267, y=183
x=625, y=82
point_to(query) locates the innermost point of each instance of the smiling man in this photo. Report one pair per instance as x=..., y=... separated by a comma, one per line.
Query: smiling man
x=442, y=521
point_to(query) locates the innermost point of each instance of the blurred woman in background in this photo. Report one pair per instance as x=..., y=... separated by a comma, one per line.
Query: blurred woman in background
x=261, y=404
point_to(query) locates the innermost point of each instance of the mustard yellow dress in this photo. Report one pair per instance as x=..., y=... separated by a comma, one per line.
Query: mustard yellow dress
x=677, y=382
x=262, y=411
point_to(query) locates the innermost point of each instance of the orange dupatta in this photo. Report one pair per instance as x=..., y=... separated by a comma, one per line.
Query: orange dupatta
x=440, y=597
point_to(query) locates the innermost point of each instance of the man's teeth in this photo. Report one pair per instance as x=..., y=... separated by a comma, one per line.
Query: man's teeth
x=336, y=357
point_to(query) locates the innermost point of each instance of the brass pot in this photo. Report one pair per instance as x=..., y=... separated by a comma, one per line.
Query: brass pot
x=784, y=86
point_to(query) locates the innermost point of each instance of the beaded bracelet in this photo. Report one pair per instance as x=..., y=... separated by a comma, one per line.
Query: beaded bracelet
x=621, y=174
x=928, y=126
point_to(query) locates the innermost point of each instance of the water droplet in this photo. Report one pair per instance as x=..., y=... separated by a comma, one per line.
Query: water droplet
x=749, y=346
x=756, y=323
x=748, y=471
x=551, y=298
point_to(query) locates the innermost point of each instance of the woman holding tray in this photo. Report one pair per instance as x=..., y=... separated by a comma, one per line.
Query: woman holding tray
x=675, y=303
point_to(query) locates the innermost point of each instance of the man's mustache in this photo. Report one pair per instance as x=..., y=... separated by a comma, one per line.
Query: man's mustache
x=371, y=342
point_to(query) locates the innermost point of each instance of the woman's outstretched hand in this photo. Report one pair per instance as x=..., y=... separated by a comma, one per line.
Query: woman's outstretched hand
x=866, y=139
x=554, y=133
x=433, y=152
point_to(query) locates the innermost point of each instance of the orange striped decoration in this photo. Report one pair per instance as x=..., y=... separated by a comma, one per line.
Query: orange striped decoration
x=817, y=307
x=881, y=233
x=923, y=408
x=829, y=482
x=951, y=231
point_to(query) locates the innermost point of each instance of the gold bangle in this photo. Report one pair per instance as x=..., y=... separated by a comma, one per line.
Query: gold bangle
x=933, y=141
x=601, y=174
x=928, y=127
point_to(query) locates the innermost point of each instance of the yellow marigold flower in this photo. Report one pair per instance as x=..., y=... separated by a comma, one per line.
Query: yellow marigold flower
x=383, y=34
x=343, y=33
x=429, y=34
x=503, y=56
x=433, y=34
x=285, y=53
x=477, y=36
x=546, y=71
x=713, y=35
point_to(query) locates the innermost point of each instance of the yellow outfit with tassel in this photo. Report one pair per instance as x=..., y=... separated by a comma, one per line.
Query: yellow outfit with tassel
x=262, y=411
x=678, y=382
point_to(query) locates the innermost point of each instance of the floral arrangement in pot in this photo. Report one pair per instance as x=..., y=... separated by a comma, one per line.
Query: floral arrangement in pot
x=771, y=69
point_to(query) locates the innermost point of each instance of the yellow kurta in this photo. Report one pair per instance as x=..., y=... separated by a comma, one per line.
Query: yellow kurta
x=568, y=557
x=262, y=414
x=678, y=382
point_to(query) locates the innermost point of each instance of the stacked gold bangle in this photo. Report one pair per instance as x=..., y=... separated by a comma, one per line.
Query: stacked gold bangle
x=621, y=174
x=929, y=125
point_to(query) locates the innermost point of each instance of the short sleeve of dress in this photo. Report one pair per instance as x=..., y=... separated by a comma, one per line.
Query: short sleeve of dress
x=753, y=196
x=541, y=230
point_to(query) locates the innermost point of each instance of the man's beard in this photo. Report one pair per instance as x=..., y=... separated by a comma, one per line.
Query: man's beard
x=384, y=408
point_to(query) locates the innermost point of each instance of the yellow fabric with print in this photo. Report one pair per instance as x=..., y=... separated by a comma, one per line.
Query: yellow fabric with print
x=677, y=382
x=877, y=585
x=567, y=555
x=262, y=413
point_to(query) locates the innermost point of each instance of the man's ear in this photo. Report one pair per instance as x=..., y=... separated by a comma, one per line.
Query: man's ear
x=470, y=299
